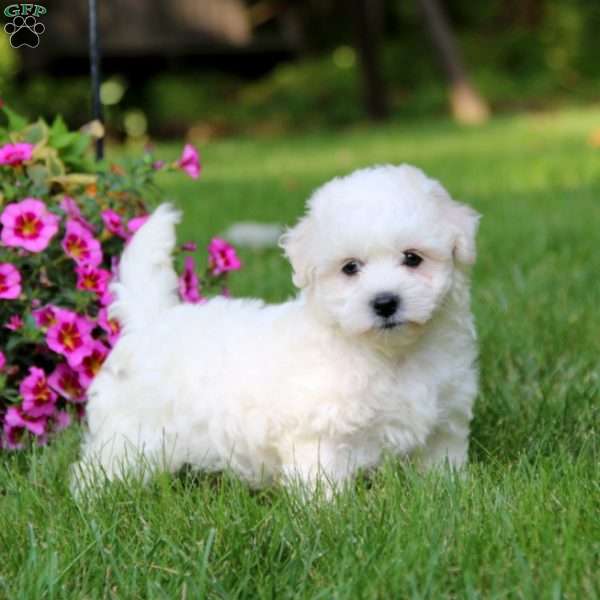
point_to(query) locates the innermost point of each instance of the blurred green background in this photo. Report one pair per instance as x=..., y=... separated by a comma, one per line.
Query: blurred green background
x=207, y=69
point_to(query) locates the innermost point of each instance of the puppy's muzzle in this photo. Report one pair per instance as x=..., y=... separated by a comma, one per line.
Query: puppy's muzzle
x=385, y=305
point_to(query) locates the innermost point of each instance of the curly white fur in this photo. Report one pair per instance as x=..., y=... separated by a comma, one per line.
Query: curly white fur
x=317, y=387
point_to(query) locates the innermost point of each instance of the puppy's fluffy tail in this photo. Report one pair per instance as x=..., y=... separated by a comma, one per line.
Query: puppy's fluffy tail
x=147, y=282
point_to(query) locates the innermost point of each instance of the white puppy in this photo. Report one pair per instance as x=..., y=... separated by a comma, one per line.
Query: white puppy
x=376, y=353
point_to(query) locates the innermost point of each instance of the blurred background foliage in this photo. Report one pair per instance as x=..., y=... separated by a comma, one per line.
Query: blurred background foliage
x=213, y=68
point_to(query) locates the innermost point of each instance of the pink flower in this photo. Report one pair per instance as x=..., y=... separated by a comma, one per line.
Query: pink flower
x=28, y=224
x=91, y=363
x=65, y=381
x=14, y=323
x=15, y=154
x=111, y=326
x=189, y=288
x=70, y=336
x=114, y=223
x=189, y=247
x=2, y=360
x=72, y=210
x=38, y=399
x=222, y=257
x=190, y=161
x=157, y=165
x=107, y=298
x=10, y=282
x=16, y=423
x=114, y=266
x=135, y=223
x=61, y=420
x=81, y=245
x=46, y=316
x=91, y=279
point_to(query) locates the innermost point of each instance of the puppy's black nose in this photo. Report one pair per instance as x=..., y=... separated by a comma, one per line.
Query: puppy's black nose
x=385, y=305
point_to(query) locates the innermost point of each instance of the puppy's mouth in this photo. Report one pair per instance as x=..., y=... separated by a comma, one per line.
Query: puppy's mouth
x=390, y=324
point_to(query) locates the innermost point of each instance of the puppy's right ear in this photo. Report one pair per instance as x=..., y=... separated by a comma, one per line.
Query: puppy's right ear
x=296, y=246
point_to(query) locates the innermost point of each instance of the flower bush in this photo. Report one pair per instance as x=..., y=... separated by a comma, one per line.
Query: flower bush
x=64, y=221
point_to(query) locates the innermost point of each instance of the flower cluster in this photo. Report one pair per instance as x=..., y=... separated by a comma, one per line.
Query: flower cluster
x=63, y=225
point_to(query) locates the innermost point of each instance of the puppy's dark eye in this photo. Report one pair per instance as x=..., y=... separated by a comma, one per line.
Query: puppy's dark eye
x=352, y=267
x=412, y=260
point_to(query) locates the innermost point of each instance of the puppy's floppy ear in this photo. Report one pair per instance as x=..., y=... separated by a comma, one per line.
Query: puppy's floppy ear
x=465, y=221
x=296, y=245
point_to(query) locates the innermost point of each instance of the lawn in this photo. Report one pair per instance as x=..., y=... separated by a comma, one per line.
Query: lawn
x=525, y=520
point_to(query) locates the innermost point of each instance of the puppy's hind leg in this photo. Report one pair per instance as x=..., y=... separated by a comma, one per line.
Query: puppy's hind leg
x=119, y=445
x=120, y=458
x=112, y=458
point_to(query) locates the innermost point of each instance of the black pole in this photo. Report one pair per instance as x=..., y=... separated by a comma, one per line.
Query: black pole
x=95, y=73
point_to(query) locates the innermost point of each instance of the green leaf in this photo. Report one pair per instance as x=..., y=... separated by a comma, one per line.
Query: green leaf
x=11, y=395
x=29, y=321
x=15, y=121
x=59, y=127
x=73, y=151
x=38, y=174
x=10, y=191
x=55, y=166
x=80, y=144
x=61, y=140
x=14, y=341
x=36, y=133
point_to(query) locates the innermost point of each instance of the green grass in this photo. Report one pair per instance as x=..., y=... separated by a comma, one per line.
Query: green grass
x=524, y=522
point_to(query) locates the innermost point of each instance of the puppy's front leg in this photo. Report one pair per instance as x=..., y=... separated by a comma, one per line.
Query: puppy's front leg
x=448, y=443
x=316, y=466
x=449, y=440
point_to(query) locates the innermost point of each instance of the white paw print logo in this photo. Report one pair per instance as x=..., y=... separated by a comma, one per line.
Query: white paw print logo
x=24, y=31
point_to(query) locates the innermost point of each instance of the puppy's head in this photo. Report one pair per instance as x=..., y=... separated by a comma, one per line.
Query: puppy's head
x=378, y=249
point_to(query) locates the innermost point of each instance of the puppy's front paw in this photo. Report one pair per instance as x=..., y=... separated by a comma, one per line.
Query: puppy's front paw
x=310, y=483
x=317, y=470
x=443, y=448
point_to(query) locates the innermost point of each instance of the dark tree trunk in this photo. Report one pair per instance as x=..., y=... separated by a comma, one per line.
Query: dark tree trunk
x=522, y=13
x=466, y=103
x=293, y=27
x=367, y=16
